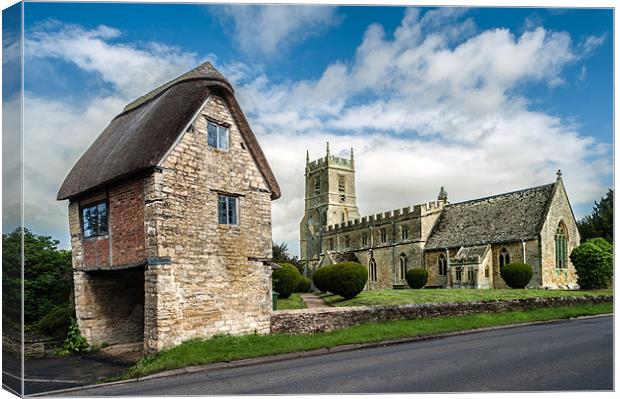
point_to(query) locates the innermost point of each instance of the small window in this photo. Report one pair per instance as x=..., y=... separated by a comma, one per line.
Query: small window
x=347, y=241
x=486, y=271
x=470, y=273
x=372, y=273
x=383, y=235
x=331, y=244
x=404, y=232
x=317, y=185
x=504, y=258
x=341, y=183
x=364, y=239
x=402, y=266
x=459, y=274
x=95, y=220
x=217, y=136
x=227, y=209
x=443, y=267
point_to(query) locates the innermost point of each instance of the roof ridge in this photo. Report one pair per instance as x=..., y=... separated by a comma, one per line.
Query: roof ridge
x=502, y=194
x=206, y=70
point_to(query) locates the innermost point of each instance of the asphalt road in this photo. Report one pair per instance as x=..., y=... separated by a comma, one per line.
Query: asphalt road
x=564, y=355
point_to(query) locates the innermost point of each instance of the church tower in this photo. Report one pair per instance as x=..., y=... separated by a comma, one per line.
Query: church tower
x=329, y=199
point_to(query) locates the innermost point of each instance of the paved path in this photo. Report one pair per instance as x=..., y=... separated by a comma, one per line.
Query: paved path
x=314, y=301
x=565, y=355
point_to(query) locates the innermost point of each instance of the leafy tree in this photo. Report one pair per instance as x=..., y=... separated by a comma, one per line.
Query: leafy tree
x=48, y=276
x=600, y=223
x=281, y=255
x=285, y=280
x=594, y=263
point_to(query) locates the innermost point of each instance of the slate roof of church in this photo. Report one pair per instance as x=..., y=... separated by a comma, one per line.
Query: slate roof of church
x=513, y=216
x=138, y=138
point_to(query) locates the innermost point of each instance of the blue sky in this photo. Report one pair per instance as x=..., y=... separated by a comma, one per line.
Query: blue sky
x=481, y=101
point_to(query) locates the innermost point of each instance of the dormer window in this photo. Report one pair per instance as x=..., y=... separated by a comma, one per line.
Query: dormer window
x=217, y=136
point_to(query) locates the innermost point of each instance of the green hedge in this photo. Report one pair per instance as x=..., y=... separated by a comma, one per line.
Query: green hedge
x=517, y=275
x=594, y=263
x=347, y=279
x=321, y=278
x=304, y=285
x=416, y=278
x=285, y=279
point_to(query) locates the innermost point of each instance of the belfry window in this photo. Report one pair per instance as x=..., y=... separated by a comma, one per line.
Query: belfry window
x=341, y=185
x=217, y=136
x=443, y=266
x=504, y=258
x=317, y=185
x=402, y=266
x=561, y=247
x=372, y=272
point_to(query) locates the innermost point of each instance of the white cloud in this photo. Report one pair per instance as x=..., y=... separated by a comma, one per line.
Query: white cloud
x=267, y=30
x=425, y=109
x=437, y=103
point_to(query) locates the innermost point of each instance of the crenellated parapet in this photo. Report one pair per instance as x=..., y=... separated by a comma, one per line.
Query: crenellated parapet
x=396, y=215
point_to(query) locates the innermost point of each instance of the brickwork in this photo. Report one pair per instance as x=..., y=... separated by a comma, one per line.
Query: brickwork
x=126, y=207
x=213, y=284
x=304, y=321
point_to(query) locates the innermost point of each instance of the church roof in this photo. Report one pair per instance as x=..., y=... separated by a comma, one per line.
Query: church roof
x=514, y=216
x=138, y=138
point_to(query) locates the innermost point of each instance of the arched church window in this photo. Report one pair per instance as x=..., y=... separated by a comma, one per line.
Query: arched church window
x=504, y=258
x=372, y=272
x=486, y=271
x=561, y=247
x=443, y=265
x=402, y=266
x=317, y=185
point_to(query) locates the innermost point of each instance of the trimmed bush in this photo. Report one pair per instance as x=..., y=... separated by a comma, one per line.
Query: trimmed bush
x=594, y=263
x=321, y=279
x=347, y=279
x=517, y=275
x=285, y=280
x=416, y=278
x=304, y=285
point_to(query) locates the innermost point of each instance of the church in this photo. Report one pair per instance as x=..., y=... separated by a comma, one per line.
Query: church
x=461, y=245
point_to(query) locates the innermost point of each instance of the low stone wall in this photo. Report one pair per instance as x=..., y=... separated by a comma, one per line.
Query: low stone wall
x=328, y=319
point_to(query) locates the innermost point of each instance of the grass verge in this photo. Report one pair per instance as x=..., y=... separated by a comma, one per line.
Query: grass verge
x=292, y=302
x=227, y=348
x=408, y=295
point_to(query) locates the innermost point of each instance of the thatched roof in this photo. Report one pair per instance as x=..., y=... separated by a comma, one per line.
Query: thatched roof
x=137, y=139
x=514, y=216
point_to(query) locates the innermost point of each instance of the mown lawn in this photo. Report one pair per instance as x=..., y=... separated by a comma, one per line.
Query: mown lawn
x=408, y=295
x=292, y=302
x=227, y=348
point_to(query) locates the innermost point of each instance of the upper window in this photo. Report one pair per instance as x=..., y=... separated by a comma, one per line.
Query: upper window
x=561, y=244
x=341, y=182
x=404, y=232
x=95, y=220
x=227, y=209
x=217, y=136
x=383, y=232
x=331, y=244
x=364, y=239
x=317, y=185
x=504, y=258
x=347, y=241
